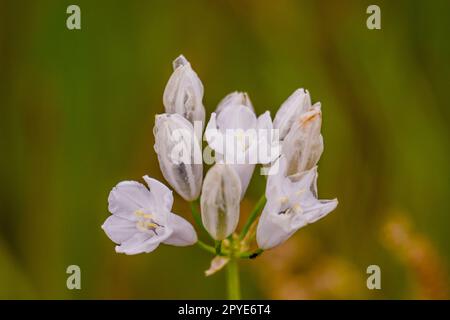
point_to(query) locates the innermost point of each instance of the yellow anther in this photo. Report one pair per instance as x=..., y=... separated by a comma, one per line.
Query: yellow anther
x=146, y=225
x=283, y=200
x=150, y=225
x=297, y=208
x=142, y=214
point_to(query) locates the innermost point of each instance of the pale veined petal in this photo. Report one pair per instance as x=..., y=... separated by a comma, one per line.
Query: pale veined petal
x=119, y=229
x=320, y=210
x=294, y=106
x=268, y=233
x=245, y=172
x=127, y=197
x=303, y=145
x=215, y=138
x=184, y=92
x=139, y=243
x=236, y=117
x=220, y=200
x=183, y=234
x=179, y=154
x=235, y=98
x=161, y=194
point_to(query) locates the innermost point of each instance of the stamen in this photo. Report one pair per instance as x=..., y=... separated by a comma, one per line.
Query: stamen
x=141, y=214
x=283, y=200
x=297, y=208
x=145, y=222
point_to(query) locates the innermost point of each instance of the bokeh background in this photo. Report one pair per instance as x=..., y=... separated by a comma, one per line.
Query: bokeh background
x=77, y=111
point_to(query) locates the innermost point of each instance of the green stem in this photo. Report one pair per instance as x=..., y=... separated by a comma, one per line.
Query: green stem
x=197, y=218
x=234, y=291
x=206, y=247
x=218, y=247
x=253, y=215
x=211, y=249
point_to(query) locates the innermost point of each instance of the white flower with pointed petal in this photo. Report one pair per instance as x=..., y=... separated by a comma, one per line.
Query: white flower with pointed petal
x=220, y=201
x=142, y=219
x=179, y=154
x=291, y=204
x=241, y=140
x=298, y=103
x=303, y=145
x=184, y=92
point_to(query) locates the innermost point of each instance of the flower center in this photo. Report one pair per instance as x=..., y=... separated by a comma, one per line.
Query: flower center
x=243, y=140
x=295, y=208
x=146, y=222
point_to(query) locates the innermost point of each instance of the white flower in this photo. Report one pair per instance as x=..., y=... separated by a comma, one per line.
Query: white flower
x=298, y=103
x=303, y=145
x=179, y=154
x=241, y=140
x=291, y=204
x=142, y=219
x=235, y=98
x=220, y=201
x=184, y=92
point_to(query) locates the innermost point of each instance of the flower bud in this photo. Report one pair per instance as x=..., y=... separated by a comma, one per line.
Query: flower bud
x=219, y=201
x=235, y=98
x=184, y=92
x=179, y=154
x=303, y=145
x=298, y=103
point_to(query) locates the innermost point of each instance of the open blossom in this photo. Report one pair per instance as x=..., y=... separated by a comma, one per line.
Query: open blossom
x=142, y=219
x=241, y=140
x=179, y=154
x=184, y=92
x=291, y=204
x=220, y=201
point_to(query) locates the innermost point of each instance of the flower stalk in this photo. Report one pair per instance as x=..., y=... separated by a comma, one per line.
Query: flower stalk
x=233, y=282
x=252, y=217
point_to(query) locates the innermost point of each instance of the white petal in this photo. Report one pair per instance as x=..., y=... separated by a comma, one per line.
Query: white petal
x=119, y=229
x=300, y=181
x=276, y=178
x=213, y=136
x=320, y=210
x=162, y=195
x=236, y=117
x=220, y=200
x=127, y=197
x=179, y=62
x=297, y=103
x=179, y=154
x=183, y=234
x=268, y=233
x=268, y=147
x=139, y=243
x=265, y=121
x=184, y=92
x=245, y=172
x=235, y=98
x=303, y=145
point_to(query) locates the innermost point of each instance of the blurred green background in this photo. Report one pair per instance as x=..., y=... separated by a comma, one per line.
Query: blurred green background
x=77, y=111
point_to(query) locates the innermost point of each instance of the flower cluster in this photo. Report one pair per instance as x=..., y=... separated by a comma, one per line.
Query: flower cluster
x=141, y=217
